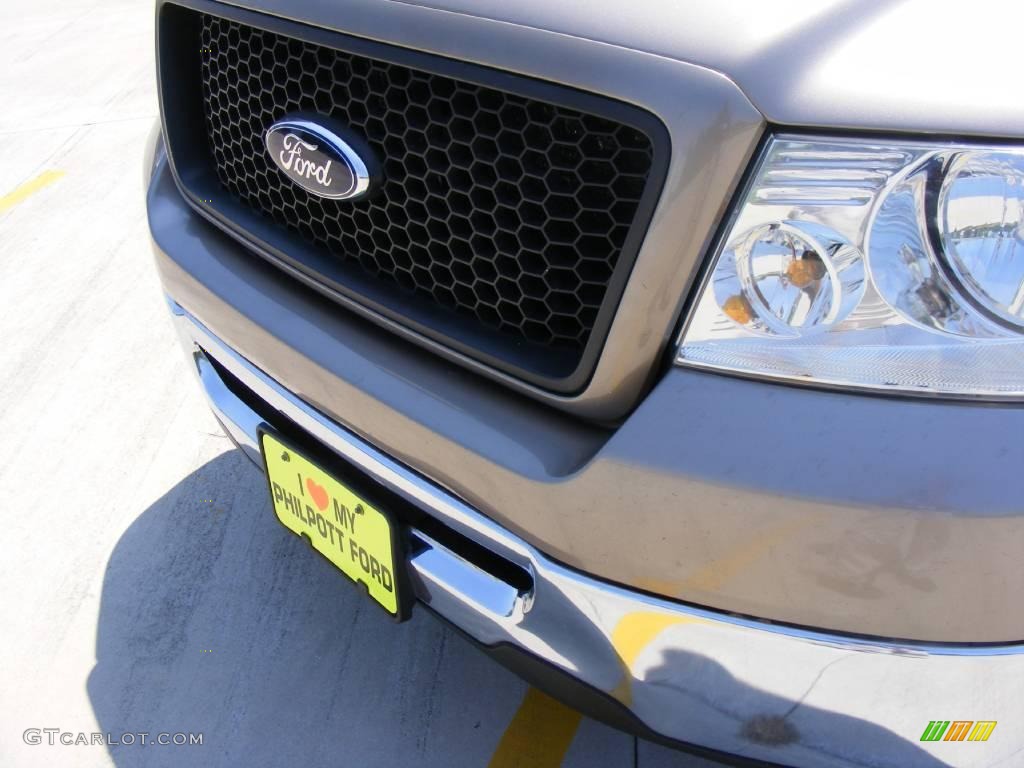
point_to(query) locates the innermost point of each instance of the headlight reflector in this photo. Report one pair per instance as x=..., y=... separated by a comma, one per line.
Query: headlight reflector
x=789, y=279
x=893, y=266
x=982, y=227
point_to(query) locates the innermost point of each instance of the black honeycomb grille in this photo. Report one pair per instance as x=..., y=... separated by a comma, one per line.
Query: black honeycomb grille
x=503, y=208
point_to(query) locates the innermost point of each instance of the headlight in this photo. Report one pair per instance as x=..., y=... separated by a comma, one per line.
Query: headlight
x=891, y=266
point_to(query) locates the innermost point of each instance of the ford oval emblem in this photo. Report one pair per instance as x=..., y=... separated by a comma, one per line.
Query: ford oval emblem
x=322, y=157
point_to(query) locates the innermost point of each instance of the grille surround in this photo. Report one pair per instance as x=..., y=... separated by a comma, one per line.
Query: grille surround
x=552, y=363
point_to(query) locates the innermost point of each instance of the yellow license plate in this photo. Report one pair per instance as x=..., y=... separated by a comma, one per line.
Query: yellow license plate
x=350, y=532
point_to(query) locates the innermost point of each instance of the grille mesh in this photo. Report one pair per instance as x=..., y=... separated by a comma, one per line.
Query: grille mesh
x=507, y=209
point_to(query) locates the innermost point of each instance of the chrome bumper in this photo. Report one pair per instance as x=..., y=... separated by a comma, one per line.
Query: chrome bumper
x=745, y=687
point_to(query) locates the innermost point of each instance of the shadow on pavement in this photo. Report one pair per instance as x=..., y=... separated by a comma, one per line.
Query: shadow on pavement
x=215, y=620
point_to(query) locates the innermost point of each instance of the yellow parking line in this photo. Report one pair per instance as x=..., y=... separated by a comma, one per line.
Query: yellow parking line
x=29, y=188
x=539, y=734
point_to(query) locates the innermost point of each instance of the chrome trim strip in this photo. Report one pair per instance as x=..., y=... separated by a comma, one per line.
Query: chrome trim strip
x=438, y=568
x=763, y=691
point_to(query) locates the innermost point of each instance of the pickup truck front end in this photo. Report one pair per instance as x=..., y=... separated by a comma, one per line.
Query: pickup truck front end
x=694, y=405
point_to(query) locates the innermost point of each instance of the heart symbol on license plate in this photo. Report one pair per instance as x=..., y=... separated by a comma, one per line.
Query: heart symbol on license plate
x=318, y=492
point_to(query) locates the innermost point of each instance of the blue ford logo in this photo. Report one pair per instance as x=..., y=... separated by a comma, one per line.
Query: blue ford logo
x=322, y=157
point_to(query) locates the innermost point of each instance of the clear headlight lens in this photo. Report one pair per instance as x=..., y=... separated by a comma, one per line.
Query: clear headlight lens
x=896, y=266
